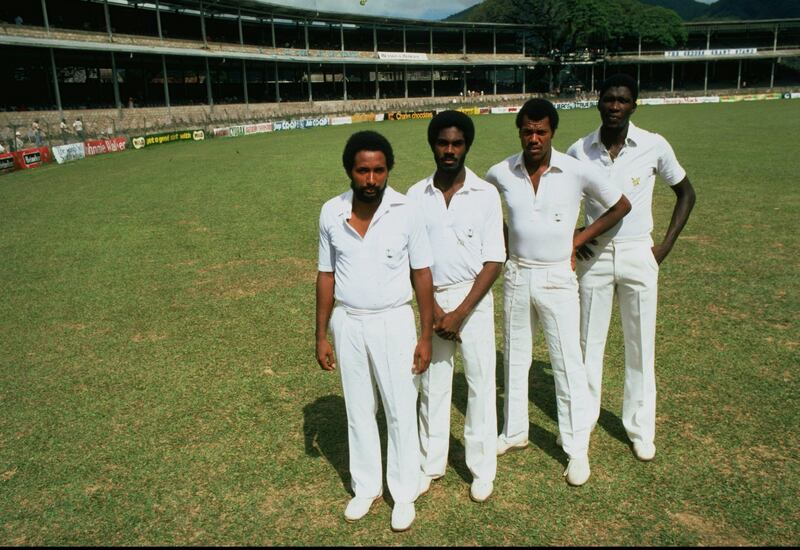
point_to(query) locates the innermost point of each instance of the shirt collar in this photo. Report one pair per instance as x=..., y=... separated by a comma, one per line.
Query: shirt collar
x=470, y=183
x=556, y=162
x=390, y=198
x=633, y=137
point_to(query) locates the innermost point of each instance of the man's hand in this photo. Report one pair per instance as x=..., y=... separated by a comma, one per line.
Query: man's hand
x=660, y=252
x=449, y=326
x=422, y=356
x=582, y=251
x=325, y=356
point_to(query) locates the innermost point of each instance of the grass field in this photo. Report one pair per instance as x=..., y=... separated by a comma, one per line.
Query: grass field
x=158, y=382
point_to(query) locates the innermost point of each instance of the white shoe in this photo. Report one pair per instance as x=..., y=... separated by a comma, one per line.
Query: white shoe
x=403, y=516
x=644, y=451
x=504, y=446
x=480, y=491
x=577, y=472
x=358, y=507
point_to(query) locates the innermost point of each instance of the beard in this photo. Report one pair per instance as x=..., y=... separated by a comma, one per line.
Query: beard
x=358, y=193
x=451, y=168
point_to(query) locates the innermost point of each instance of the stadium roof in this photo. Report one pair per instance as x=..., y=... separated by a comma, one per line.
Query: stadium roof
x=744, y=24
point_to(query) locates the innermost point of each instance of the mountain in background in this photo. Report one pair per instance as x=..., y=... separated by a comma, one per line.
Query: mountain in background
x=752, y=9
x=687, y=9
x=690, y=10
x=463, y=15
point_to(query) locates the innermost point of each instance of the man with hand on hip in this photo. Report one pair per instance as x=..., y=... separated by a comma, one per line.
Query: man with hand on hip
x=464, y=220
x=543, y=189
x=625, y=261
x=372, y=246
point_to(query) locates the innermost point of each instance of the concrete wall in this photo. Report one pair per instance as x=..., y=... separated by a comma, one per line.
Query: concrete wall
x=134, y=121
x=127, y=121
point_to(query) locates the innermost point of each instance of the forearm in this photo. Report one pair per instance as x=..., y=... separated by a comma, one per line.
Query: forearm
x=483, y=282
x=423, y=289
x=680, y=214
x=602, y=224
x=325, y=286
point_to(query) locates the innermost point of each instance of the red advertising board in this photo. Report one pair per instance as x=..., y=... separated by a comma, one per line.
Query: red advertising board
x=103, y=146
x=31, y=158
x=6, y=163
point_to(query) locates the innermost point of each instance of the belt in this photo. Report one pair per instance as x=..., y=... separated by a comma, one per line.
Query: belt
x=358, y=312
x=536, y=264
x=462, y=284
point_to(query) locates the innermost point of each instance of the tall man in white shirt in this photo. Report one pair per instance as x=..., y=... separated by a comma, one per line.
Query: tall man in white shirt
x=543, y=189
x=624, y=261
x=372, y=246
x=464, y=220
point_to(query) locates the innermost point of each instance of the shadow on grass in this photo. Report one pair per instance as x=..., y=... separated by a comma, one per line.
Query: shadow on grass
x=325, y=434
x=612, y=424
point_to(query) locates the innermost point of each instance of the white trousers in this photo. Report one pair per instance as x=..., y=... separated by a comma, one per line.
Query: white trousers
x=547, y=295
x=629, y=268
x=480, y=425
x=375, y=355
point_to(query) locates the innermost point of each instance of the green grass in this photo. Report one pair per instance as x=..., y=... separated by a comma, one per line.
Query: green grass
x=158, y=382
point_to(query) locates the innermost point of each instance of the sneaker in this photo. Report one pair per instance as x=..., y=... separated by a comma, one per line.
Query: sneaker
x=480, y=491
x=504, y=446
x=403, y=516
x=425, y=483
x=358, y=507
x=577, y=472
x=644, y=451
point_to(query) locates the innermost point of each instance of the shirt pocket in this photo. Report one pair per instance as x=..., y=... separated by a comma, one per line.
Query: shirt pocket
x=559, y=213
x=468, y=237
x=640, y=179
x=394, y=251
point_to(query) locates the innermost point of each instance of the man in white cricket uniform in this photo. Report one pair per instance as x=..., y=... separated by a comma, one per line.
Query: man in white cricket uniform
x=624, y=261
x=372, y=246
x=543, y=190
x=464, y=220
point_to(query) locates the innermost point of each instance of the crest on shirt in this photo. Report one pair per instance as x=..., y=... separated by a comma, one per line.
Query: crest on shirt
x=635, y=181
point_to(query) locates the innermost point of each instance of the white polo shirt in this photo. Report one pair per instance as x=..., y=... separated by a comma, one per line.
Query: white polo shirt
x=643, y=155
x=373, y=273
x=541, y=225
x=464, y=235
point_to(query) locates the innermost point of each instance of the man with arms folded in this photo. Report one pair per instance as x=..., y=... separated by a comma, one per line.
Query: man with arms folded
x=371, y=247
x=624, y=260
x=543, y=189
x=464, y=221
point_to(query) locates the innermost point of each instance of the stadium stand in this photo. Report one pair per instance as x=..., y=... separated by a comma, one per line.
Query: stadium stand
x=132, y=66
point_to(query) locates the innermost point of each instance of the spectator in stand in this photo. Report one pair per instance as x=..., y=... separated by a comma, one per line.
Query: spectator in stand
x=37, y=133
x=18, y=141
x=78, y=126
x=63, y=129
x=2, y=149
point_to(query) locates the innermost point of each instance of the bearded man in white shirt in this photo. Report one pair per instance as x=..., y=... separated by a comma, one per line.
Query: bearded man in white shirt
x=464, y=220
x=543, y=189
x=372, y=247
x=624, y=261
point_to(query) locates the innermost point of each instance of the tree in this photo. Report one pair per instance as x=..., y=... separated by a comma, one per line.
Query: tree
x=573, y=24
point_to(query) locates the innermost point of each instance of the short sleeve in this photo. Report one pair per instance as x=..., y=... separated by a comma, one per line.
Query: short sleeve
x=668, y=166
x=327, y=254
x=494, y=248
x=574, y=149
x=419, y=247
x=598, y=186
x=491, y=177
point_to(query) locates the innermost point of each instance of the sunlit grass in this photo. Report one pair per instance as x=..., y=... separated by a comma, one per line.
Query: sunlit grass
x=158, y=383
